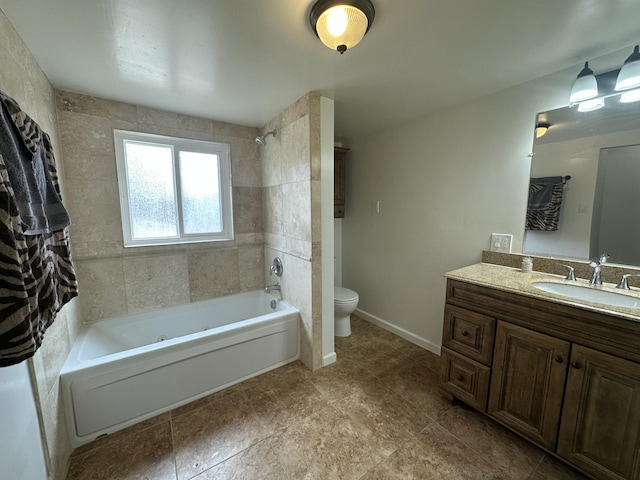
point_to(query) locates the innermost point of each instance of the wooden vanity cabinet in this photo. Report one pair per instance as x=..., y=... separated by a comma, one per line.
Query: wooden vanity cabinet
x=339, y=181
x=600, y=429
x=565, y=378
x=529, y=372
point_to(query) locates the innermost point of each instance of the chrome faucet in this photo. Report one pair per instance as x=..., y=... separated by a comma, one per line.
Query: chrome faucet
x=596, y=278
x=275, y=286
x=571, y=275
x=623, y=282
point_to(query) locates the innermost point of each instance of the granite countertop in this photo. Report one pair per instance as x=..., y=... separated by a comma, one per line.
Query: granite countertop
x=515, y=281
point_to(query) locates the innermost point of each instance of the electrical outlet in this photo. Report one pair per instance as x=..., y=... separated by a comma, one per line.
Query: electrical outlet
x=501, y=242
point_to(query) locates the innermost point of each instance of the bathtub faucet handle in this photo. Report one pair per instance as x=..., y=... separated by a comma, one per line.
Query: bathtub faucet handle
x=276, y=267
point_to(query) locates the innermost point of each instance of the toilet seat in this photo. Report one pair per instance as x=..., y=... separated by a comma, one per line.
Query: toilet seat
x=344, y=295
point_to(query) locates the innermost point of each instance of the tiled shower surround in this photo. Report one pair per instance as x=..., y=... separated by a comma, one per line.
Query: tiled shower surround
x=115, y=280
x=275, y=199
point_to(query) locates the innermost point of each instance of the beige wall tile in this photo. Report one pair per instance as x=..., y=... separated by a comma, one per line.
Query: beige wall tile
x=102, y=289
x=100, y=107
x=251, y=264
x=273, y=210
x=158, y=118
x=297, y=204
x=156, y=281
x=247, y=210
x=246, y=168
x=195, y=124
x=296, y=165
x=94, y=207
x=213, y=274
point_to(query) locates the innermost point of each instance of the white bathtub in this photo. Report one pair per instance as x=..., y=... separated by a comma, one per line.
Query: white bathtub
x=123, y=370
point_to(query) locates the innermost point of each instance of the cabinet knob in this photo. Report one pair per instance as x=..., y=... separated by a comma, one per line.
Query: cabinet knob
x=558, y=359
x=460, y=378
x=576, y=365
x=465, y=333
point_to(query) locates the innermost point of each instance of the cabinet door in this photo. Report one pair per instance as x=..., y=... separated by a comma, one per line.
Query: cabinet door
x=600, y=430
x=527, y=383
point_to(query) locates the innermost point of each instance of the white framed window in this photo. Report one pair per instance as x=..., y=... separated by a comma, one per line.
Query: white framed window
x=173, y=190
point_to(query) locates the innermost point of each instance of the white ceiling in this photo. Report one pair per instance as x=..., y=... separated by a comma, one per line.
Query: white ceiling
x=244, y=61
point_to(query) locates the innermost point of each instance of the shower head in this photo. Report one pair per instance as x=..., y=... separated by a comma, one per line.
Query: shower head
x=262, y=139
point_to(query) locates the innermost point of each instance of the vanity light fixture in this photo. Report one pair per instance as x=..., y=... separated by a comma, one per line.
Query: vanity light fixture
x=341, y=25
x=591, y=105
x=630, y=96
x=541, y=129
x=585, y=86
x=629, y=76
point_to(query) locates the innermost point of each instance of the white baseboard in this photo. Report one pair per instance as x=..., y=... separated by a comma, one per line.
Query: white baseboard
x=329, y=359
x=401, y=332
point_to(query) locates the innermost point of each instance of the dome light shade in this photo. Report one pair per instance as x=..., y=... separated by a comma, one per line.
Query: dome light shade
x=541, y=129
x=341, y=25
x=629, y=76
x=585, y=86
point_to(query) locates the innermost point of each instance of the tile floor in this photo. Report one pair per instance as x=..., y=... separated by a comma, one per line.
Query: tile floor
x=375, y=414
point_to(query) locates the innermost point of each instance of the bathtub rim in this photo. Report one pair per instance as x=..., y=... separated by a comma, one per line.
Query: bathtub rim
x=73, y=363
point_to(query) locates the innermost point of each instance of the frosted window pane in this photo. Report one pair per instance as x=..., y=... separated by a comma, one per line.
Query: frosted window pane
x=200, y=189
x=152, y=198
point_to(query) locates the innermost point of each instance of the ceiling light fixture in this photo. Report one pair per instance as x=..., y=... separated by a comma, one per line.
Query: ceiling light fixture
x=541, y=129
x=340, y=25
x=629, y=76
x=585, y=86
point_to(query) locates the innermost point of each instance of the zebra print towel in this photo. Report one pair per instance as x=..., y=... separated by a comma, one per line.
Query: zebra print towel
x=36, y=271
x=545, y=199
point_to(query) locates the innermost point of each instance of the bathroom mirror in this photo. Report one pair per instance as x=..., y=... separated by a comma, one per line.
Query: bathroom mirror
x=600, y=210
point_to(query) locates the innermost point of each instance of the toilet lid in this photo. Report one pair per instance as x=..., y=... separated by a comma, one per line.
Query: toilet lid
x=343, y=295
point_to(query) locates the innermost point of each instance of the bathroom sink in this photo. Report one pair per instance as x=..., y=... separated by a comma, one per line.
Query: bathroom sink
x=588, y=294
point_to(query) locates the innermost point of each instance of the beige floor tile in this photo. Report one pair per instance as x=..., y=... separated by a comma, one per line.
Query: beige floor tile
x=325, y=445
x=340, y=379
x=435, y=454
x=286, y=399
x=215, y=432
x=494, y=443
x=553, y=469
x=415, y=383
x=258, y=462
x=137, y=454
x=384, y=419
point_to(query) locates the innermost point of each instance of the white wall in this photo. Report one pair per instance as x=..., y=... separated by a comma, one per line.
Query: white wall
x=445, y=182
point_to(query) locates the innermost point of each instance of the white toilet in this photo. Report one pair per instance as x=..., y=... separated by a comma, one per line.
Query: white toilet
x=345, y=302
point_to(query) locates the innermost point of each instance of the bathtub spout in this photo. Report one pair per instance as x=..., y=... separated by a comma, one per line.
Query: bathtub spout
x=275, y=286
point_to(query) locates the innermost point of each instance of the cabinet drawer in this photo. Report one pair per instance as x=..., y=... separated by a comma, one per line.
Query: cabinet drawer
x=469, y=333
x=465, y=379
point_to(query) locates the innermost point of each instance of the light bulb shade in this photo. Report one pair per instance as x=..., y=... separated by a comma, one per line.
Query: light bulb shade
x=541, y=129
x=585, y=86
x=629, y=76
x=340, y=25
x=591, y=105
x=630, y=96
